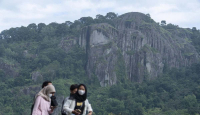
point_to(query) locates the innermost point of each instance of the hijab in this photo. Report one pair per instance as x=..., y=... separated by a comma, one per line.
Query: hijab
x=81, y=98
x=45, y=91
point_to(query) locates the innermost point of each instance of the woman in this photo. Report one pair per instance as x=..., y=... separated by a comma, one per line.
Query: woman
x=73, y=90
x=43, y=101
x=78, y=104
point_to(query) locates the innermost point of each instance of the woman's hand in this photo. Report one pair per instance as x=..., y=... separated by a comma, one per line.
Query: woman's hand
x=52, y=108
x=90, y=113
x=75, y=112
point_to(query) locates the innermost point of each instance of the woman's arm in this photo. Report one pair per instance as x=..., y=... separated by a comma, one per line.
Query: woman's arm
x=51, y=109
x=90, y=113
x=89, y=108
x=66, y=106
x=36, y=105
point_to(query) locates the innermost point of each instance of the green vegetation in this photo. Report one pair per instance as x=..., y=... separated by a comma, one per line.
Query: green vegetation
x=176, y=92
x=147, y=48
x=196, y=38
x=130, y=52
x=37, y=49
x=128, y=23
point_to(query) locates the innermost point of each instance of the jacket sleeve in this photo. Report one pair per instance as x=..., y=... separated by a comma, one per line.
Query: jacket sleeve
x=89, y=107
x=66, y=106
x=36, y=105
x=50, y=111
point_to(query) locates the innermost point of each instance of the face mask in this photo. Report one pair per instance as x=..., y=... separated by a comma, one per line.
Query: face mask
x=81, y=92
x=50, y=95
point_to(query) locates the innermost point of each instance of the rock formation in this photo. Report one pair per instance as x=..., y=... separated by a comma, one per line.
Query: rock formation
x=136, y=45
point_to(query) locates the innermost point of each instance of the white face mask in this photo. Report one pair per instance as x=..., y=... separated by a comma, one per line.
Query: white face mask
x=81, y=92
x=50, y=95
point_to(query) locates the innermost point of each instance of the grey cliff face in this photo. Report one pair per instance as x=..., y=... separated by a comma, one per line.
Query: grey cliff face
x=101, y=50
x=144, y=45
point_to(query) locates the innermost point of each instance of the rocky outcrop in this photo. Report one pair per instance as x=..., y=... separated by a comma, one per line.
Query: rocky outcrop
x=9, y=69
x=31, y=90
x=37, y=76
x=137, y=44
x=101, y=51
x=67, y=43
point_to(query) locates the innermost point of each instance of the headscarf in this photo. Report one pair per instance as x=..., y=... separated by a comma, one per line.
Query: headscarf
x=81, y=98
x=45, y=91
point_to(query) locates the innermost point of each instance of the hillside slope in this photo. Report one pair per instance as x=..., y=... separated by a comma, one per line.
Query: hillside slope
x=141, y=46
x=128, y=62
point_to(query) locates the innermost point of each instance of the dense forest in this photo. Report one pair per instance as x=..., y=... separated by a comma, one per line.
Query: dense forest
x=38, y=49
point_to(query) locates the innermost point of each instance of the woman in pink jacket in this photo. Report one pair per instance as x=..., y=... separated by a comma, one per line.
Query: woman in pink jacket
x=43, y=101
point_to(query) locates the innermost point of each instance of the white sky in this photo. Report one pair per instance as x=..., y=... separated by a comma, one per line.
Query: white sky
x=17, y=13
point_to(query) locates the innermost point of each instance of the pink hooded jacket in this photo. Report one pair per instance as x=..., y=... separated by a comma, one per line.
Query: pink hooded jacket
x=41, y=107
x=43, y=101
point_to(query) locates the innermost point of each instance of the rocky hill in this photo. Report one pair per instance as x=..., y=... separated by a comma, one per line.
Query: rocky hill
x=130, y=63
x=137, y=45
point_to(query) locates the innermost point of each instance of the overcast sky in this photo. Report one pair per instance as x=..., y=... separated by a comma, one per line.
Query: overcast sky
x=17, y=13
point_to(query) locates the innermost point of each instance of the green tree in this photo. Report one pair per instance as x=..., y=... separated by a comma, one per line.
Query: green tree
x=40, y=26
x=111, y=15
x=32, y=26
x=163, y=23
x=190, y=101
x=68, y=23
x=148, y=15
x=86, y=20
x=115, y=106
x=2, y=50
